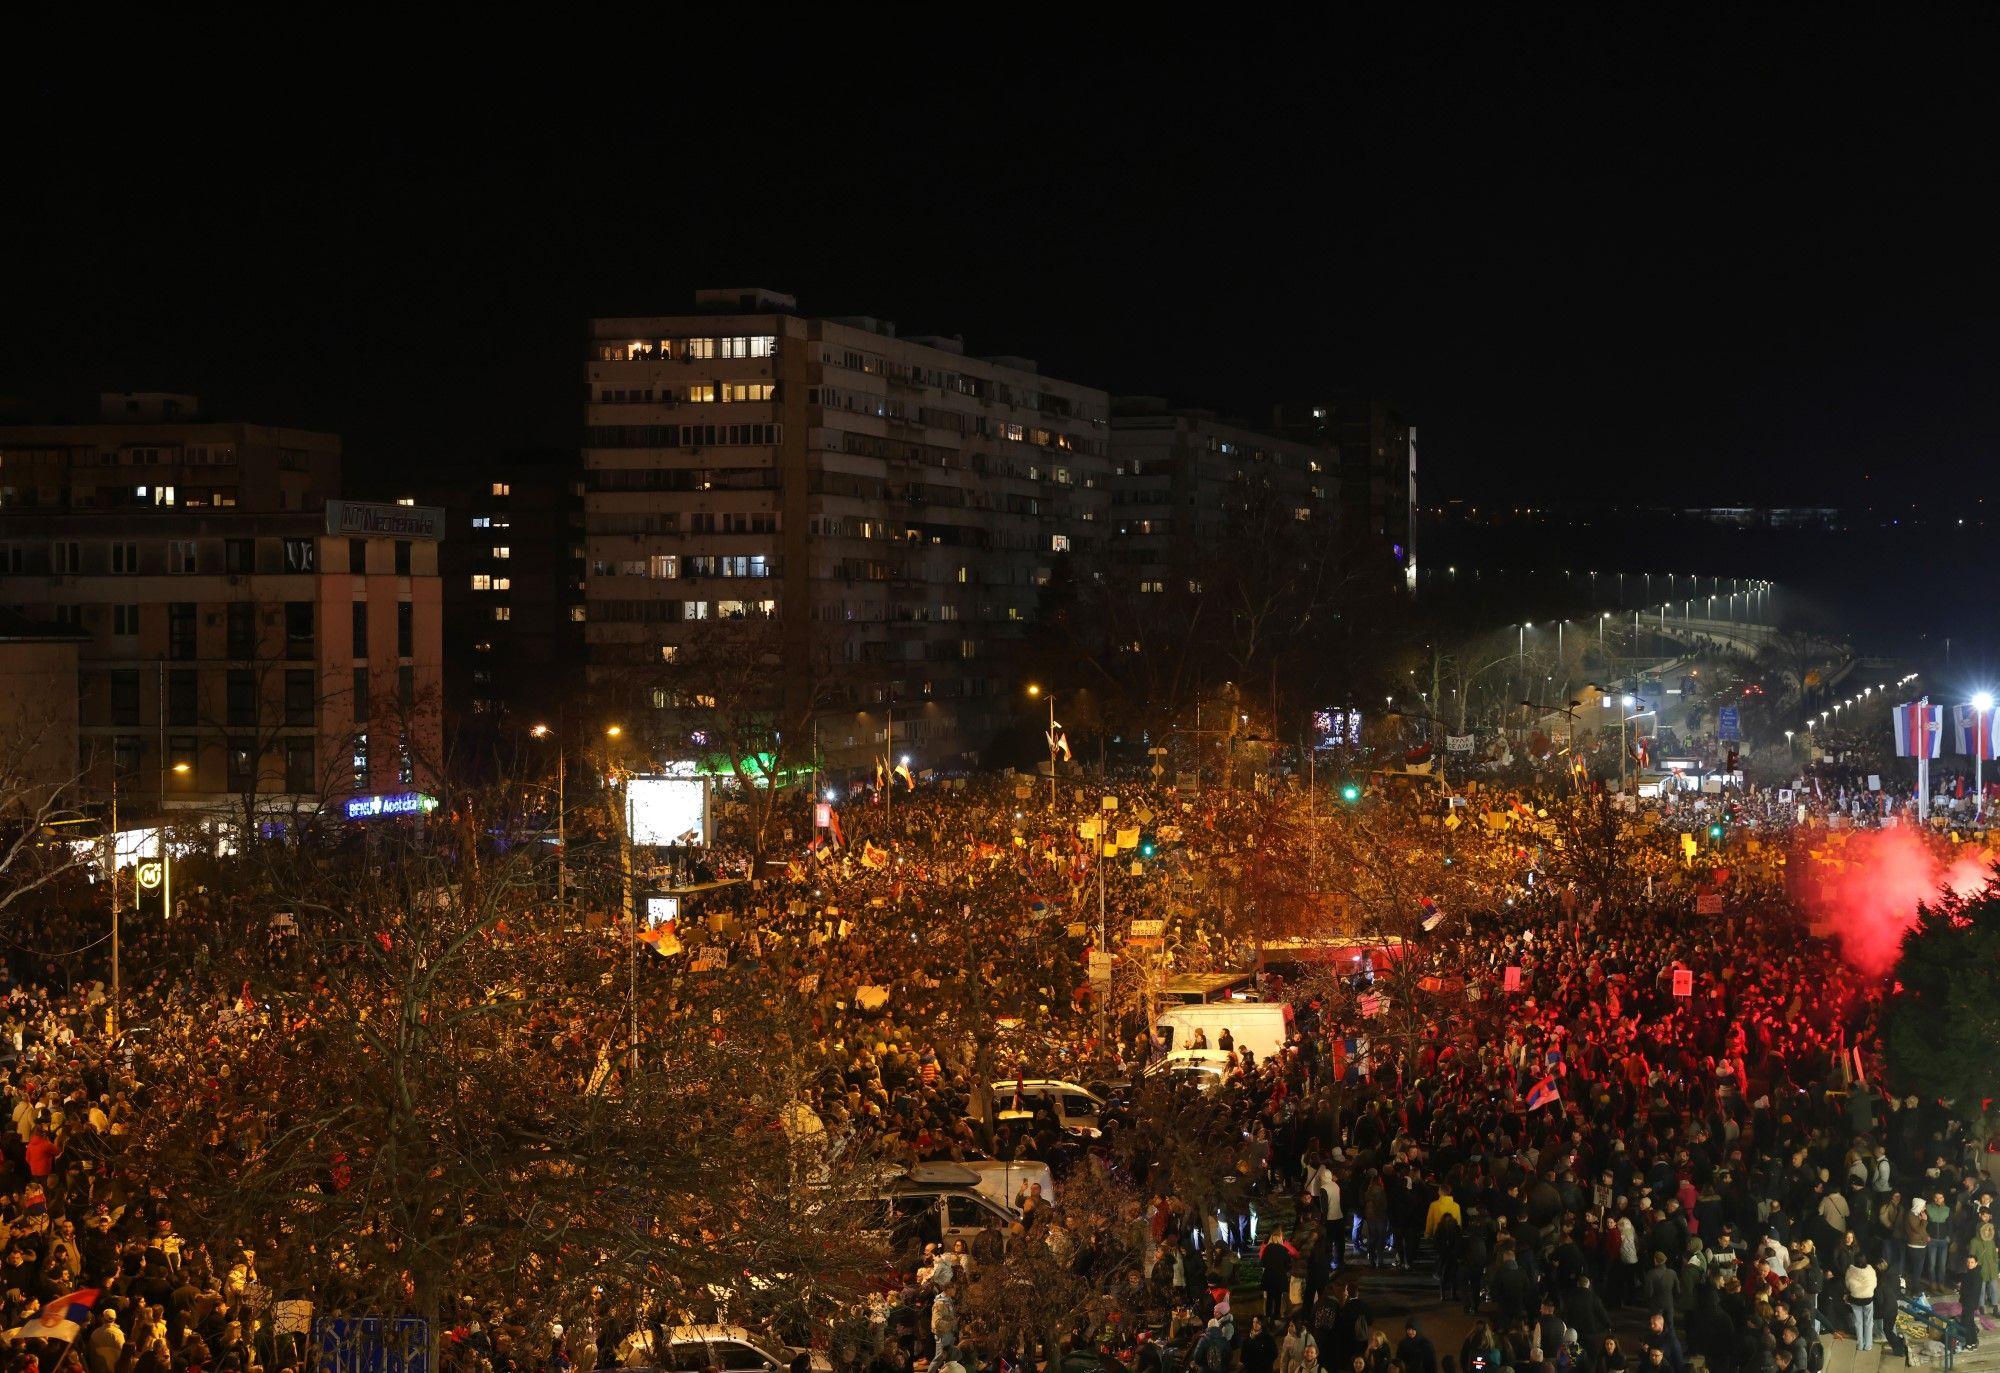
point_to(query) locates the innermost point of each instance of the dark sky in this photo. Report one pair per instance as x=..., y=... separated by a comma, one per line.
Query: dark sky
x=1622, y=257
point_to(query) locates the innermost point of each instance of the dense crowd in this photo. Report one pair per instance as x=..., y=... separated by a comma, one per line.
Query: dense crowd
x=1583, y=1108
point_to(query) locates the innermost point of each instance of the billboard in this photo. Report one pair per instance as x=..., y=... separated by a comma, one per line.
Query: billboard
x=1334, y=728
x=667, y=810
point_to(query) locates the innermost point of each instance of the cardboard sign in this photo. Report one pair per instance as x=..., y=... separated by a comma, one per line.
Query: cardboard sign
x=1683, y=982
x=1708, y=903
x=1511, y=980
x=1148, y=929
x=1100, y=967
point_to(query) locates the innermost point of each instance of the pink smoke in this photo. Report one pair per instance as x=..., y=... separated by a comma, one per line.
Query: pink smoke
x=1868, y=904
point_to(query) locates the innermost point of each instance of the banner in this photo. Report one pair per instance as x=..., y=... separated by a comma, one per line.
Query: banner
x=1708, y=903
x=1683, y=982
x=1458, y=743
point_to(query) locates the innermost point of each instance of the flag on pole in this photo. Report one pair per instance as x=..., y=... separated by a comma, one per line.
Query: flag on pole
x=1058, y=739
x=1542, y=1094
x=1919, y=729
x=61, y=1318
x=1972, y=730
x=903, y=771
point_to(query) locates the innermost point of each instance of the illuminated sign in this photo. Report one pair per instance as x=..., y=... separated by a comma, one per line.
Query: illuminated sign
x=667, y=810
x=399, y=521
x=149, y=875
x=391, y=803
x=1336, y=728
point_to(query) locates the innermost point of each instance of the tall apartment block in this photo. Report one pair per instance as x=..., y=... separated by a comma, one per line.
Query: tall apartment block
x=1375, y=450
x=249, y=644
x=1189, y=486
x=512, y=567
x=892, y=504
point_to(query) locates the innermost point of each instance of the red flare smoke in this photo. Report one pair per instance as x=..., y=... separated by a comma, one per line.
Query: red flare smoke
x=1868, y=904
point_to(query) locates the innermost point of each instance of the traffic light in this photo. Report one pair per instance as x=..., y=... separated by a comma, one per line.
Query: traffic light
x=1350, y=792
x=1715, y=833
x=1147, y=848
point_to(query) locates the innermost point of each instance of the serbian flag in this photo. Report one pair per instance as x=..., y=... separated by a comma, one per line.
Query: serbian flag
x=1972, y=729
x=1542, y=1094
x=1919, y=729
x=61, y=1318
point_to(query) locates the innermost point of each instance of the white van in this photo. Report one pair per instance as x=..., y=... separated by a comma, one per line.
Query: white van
x=1075, y=1108
x=1002, y=1181
x=1259, y=1026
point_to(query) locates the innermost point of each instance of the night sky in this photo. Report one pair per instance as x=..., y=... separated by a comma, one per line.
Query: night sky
x=1709, y=265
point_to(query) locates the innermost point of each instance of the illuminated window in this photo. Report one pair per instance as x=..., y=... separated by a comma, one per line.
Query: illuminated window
x=501, y=550
x=502, y=489
x=406, y=500
x=749, y=390
x=576, y=614
x=503, y=583
x=1059, y=543
x=503, y=612
x=701, y=348
x=701, y=391
x=662, y=566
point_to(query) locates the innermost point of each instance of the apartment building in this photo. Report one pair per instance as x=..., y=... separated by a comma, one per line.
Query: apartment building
x=249, y=640
x=1375, y=452
x=512, y=566
x=1189, y=486
x=890, y=505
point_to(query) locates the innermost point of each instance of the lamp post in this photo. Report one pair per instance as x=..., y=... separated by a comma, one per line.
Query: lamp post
x=1035, y=690
x=1982, y=739
x=562, y=812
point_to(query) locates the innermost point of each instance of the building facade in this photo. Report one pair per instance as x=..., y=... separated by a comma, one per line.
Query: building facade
x=884, y=509
x=1375, y=454
x=1188, y=486
x=249, y=641
x=512, y=565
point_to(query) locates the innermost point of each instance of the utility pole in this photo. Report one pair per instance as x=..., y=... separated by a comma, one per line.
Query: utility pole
x=117, y=968
x=889, y=769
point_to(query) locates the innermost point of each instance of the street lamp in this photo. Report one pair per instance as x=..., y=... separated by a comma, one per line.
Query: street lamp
x=1034, y=689
x=562, y=808
x=1982, y=739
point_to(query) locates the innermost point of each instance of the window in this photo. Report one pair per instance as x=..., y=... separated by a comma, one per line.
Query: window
x=242, y=765
x=406, y=689
x=501, y=550
x=1059, y=543
x=576, y=614
x=360, y=761
x=503, y=612
x=360, y=644
x=402, y=557
x=482, y=582
x=239, y=556
x=242, y=630
x=124, y=558
x=701, y=392
x=181, y=630
x=405, y=629
x=749, y=390
x=126, y=751
x=360, y=695
x=357, y=556
x=65, y=557
x=298, y=629
x=183, y=702
x=298, y=555
x=502, y=489
x=694, y=610
x=125, y=619
x=242, y=697
x=182, y=556
x=701, y=348
x=1152, y=586
x=299, y=778
x=298, y=696
x=662, y=566
x=125, y=696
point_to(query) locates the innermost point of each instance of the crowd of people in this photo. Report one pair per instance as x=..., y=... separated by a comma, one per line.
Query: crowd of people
x=1561, y=1109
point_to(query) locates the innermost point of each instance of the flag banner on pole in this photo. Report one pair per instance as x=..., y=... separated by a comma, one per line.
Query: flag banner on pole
x=1972, y=731
x=1919, y=729
x=1542, y=1094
